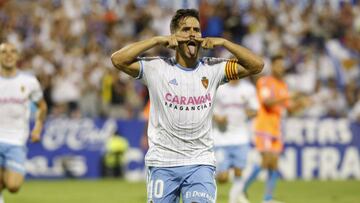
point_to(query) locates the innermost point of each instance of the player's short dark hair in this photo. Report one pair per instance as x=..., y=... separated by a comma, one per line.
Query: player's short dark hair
x=276, y=57
x=180, y=15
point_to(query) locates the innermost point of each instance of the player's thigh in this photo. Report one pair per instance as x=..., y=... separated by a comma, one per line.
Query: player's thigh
x=239, y=156
x=199, y=186
x=270, y=160
x=265, y=159
x=163, y=185
x=14, y=167
x=13, y=180
x=222, y=156
x=273, y=160
x=222, y=163
x=238, y=172
x=222, y=177
x=276, y=149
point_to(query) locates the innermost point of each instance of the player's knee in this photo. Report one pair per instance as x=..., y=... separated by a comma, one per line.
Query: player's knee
x=237, y=172
x=13, y=187
x=273, y=166
x=265, y=164
x=222, y=178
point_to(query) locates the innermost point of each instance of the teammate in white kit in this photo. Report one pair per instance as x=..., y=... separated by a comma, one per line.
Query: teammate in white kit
x=17, y=91
x=180, y=158
x=236, y=102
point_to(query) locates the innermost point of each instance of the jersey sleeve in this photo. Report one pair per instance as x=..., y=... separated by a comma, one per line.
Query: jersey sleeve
x=36, y=93
x=226, y=69
x=149, y=68
x=231, y=71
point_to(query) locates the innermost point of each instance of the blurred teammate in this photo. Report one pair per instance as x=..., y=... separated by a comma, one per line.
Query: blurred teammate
x=274, y=99
x=17, y=91
x=180, y=158
x=235, y=104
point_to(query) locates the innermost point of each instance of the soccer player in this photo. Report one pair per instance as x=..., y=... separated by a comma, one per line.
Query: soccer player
x=235, y=104
x=180, y=158
x=17, y=91
x=274, y=99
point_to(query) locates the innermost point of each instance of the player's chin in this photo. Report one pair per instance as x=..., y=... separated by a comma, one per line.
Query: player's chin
x=8, y=65
x=191, y=56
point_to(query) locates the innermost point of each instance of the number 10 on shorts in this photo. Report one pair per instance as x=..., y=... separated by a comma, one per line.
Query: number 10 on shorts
x=157, y=188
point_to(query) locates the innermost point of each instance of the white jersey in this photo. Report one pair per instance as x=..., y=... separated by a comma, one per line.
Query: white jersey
x=181, y=107
x=15, y=96
x=232, y=100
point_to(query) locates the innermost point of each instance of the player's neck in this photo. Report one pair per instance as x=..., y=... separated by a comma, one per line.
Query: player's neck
x=8, y=73
x=278, y=77
x=186, y=62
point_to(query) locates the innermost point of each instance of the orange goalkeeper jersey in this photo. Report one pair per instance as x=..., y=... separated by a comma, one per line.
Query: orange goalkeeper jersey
x=268, y=120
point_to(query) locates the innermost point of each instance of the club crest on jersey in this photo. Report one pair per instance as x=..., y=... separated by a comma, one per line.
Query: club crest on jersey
x=205, y=82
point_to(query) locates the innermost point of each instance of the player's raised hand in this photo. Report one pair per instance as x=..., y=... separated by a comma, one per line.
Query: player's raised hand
x=222, y=124
x=210, y=42
x=171, y=41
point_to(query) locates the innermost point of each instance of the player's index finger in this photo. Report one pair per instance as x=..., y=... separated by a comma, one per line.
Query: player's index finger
x=181, y=38
x=199, y=39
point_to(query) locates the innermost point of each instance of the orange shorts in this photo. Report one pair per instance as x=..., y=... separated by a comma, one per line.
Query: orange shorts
x=265, y=143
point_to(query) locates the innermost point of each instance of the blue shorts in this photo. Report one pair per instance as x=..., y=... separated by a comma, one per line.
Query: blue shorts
x=195, y=183
x=234, y=156
x=13, y=157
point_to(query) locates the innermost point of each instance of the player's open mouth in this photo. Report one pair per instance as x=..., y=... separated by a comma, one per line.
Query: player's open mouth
x=192, y=47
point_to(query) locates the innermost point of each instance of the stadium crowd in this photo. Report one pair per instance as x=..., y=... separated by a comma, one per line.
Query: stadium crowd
x=67, y=45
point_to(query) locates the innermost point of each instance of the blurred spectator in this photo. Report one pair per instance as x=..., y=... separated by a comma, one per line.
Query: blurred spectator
x=67, y=45
x=113, y=160
x=355, y=111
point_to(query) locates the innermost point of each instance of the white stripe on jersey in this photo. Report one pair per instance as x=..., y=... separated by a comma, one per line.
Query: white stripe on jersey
x=181, y=110
x=15, y=97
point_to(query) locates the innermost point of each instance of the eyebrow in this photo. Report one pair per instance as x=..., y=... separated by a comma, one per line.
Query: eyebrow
x=195, y=27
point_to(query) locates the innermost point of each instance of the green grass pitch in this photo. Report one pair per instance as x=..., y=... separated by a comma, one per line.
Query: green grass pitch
x=118, y=191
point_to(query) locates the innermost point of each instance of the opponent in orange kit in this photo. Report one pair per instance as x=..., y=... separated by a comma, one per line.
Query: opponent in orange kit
x=274, y=99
